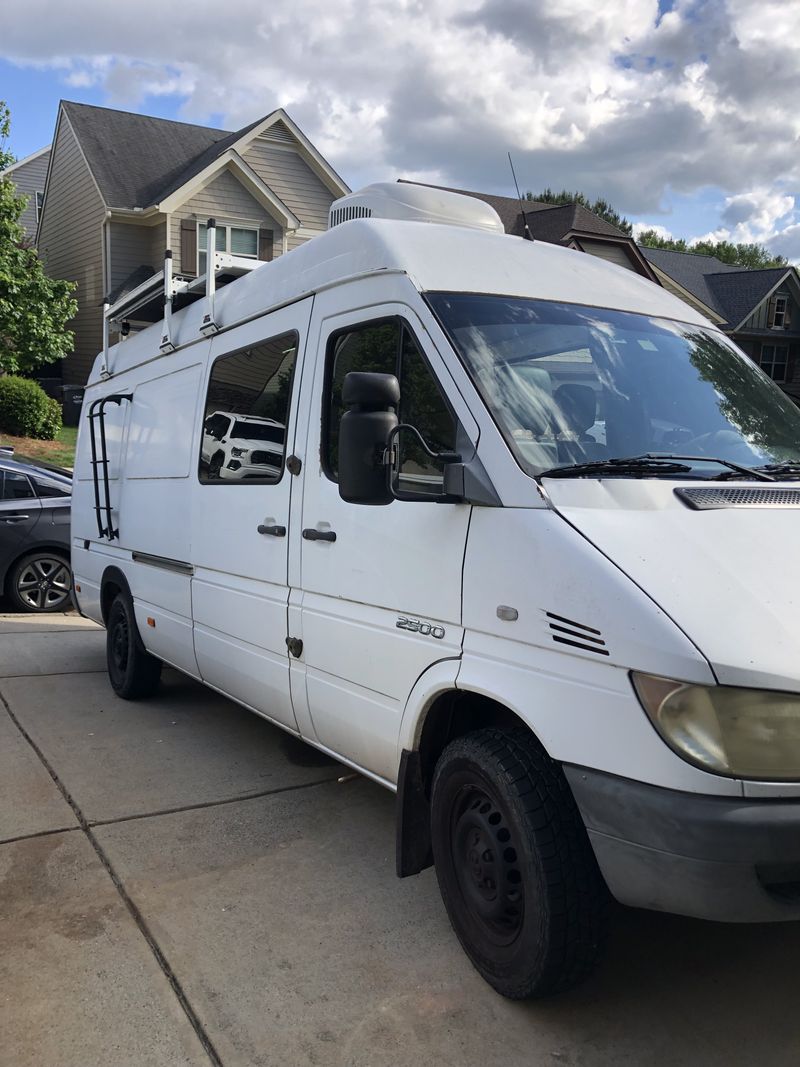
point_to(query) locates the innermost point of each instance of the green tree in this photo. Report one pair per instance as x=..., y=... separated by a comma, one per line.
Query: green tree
x=748, y=256
x=600, y=206
x=34, y=309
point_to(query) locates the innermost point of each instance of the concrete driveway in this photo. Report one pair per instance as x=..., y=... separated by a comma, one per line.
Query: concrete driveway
x=181, y=883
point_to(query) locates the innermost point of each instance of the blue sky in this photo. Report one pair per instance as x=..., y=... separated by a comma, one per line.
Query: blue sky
x=682, y=113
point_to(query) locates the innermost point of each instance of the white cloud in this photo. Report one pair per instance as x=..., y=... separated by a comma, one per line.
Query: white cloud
x=610, y=98
x=660, y=231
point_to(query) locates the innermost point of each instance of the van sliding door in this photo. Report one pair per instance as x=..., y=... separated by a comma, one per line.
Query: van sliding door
x=240, y=510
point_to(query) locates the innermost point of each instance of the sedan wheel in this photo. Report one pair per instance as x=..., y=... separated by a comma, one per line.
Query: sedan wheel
x=41, y=582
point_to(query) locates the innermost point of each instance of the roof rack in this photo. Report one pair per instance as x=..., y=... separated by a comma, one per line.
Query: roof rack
x=160, y=296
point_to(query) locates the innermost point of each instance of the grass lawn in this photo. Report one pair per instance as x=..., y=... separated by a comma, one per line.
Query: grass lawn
x=60, y=452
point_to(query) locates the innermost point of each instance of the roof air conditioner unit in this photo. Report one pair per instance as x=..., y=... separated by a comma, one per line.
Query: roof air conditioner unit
x=415, y=203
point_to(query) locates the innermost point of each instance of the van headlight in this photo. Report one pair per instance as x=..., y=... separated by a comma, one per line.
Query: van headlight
x=748, y=733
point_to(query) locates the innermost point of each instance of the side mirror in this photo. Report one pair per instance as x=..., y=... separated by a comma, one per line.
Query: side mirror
x=371, y=416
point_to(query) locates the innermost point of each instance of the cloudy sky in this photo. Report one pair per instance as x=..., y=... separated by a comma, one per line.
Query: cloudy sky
x=684, y=114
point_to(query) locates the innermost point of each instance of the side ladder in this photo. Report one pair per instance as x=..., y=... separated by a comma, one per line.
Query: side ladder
x=99, y=462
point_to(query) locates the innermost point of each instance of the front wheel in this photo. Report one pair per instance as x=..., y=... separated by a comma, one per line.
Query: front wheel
x=133, y=672
x=516, y=871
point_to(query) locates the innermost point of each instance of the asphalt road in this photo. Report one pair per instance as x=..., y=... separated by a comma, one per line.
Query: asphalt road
x=183, y=884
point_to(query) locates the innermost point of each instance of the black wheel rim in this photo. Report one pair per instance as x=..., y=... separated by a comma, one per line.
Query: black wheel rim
x=119, y=645
x=486, y=865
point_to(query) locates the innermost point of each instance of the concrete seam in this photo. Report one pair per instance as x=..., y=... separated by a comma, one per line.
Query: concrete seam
x=38, y=833
x=52, y=674
x=133, y=910
x=209, y=803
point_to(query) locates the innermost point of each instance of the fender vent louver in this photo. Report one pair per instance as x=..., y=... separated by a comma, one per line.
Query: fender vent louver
x=576, y=634
x=707, y=499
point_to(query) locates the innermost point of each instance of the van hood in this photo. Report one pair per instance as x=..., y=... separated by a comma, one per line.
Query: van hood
x=729, y=577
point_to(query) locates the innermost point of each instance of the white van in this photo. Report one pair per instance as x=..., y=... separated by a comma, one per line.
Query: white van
x=529, y=556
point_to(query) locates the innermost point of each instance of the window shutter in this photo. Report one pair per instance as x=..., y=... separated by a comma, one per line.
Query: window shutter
x=265, y=244
x=188, y=247
x=771, y=312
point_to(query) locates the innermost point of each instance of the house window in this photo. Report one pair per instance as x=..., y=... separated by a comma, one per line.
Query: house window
x=779, y=313
x=774, y=360
x=237, y=240
x=39, y=203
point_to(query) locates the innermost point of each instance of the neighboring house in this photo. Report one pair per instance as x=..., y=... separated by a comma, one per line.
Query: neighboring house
x=571, y=225
x=28, y=175
x=758, y=309
x=122, y=188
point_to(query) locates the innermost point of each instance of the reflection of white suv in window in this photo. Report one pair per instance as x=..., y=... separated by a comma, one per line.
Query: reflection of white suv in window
x=242, y=446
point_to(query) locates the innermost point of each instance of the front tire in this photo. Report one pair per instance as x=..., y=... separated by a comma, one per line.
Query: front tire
x=516, y=871
x=134, y=674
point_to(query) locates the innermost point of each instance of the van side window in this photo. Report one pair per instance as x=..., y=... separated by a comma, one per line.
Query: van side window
x=389, y=347
x=247, y=412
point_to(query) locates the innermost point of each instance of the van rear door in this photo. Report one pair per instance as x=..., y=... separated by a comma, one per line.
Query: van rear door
x=241, y=511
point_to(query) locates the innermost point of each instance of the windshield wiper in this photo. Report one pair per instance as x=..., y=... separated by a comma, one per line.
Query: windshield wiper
x=664, y=463
x=781, y=471
x=633, y=466
x=763, y=474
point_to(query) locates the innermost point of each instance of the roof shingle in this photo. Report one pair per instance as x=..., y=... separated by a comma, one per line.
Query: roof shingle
x=137, y=159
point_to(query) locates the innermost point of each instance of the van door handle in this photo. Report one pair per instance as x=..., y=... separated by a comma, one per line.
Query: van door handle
x=16, y=517
x=319, y=535
x=272, y=531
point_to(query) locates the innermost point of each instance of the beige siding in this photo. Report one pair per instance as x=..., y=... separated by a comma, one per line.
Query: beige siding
x=134, y=246
x=612, y=253
x=226, y=199
x=291, y=178
x=70, y=242
x=29, y=179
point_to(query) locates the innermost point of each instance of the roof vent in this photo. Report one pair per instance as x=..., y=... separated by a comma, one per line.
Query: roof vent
x=415, y=203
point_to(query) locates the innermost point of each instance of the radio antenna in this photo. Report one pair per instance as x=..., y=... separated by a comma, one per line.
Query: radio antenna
x=526, y=230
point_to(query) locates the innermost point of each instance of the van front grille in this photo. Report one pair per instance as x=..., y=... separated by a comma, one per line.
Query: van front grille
x=709, y=498
x=576, y=634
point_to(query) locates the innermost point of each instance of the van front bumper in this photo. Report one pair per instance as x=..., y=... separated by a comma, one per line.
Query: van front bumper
x=730, y=859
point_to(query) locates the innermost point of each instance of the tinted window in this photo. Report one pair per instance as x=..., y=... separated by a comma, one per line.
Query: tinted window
x=389, y=347
x=246, y=413
x=47, y=487
x=16, y=486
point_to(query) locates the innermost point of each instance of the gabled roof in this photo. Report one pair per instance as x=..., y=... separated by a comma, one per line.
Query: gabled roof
x=26, y=159
x=729, y=290
x=739, y=294
x=134, y=157
x=139, y=161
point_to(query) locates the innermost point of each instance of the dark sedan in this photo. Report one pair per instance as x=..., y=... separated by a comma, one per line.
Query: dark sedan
x=34, y=536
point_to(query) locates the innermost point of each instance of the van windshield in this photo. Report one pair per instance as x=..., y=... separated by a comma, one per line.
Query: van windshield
x=569, y=384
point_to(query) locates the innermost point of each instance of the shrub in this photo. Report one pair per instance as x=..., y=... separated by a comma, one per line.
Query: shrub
x=26, y=410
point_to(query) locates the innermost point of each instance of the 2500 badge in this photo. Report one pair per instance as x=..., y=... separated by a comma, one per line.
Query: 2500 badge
x=426, y=629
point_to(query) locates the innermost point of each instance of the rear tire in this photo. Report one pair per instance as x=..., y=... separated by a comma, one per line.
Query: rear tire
x=40, y=582
x=515, y=867
x=134, y=674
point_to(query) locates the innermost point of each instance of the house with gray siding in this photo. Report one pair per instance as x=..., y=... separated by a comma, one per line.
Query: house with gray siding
x=122, y=189
x=29, y=176
x=758, y=309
